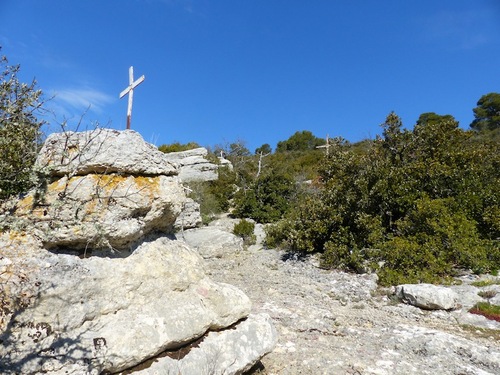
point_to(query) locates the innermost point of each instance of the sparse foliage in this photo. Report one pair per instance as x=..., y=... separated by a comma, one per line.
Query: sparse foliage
x=20, y=130
x=177, y=147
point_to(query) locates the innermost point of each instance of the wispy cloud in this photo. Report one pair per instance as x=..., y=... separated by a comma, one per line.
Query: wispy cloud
x=83, y=98
x=460, y=29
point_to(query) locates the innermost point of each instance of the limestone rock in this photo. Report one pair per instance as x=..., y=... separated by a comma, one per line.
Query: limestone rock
x=189, y=217
x=100, y=315
x=102, y=151
x=193, y=165
x=212, y=242
x=428, y=296
x=226, y=163
x=96, y=211
x=228, y=352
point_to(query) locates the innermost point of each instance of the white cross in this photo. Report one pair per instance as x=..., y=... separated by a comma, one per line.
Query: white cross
x=327, y=145
x=130, y=91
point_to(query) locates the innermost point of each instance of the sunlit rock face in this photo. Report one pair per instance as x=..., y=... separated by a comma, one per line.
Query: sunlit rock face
x=105, y=189
x=91, y=282
x=193, y=165
x=108, y=314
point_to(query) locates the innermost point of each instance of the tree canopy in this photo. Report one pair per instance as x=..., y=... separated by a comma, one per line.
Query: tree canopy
x=487, y=113
x=300, y=141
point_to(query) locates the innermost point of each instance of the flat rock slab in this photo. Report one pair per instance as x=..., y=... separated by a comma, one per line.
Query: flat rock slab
x=229, y=352
x=212, y=242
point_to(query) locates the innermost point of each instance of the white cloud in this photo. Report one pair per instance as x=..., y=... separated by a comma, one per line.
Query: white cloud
x=82, y=99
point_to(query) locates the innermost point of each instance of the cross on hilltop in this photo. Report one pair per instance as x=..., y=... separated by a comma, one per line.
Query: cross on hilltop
x=130, y=91
x=327, y=145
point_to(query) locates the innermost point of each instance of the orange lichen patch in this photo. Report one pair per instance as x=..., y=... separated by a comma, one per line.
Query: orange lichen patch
x=15, y=244
x=25, y=204
x=73, y=149
x=16, y=236
x=110, y=183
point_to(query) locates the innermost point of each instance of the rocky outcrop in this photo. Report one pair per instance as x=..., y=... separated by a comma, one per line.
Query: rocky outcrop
x=104, y=311
x=106, y=189
x=428, y=296
x=193, y=165
x=102, y=211
x=106, y=315
x=189, y=217
x=225, y=163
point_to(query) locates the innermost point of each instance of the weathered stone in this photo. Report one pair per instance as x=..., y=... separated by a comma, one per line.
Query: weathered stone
x=189, y=217
x=427, y=296
x=193, y=165
x=102, y=151
x=226, y=163
x=229, y=352
x=96, y=211
x=212, y=242
x=102, y=315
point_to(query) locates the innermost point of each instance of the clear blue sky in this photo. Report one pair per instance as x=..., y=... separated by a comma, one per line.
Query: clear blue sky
x=256, y=70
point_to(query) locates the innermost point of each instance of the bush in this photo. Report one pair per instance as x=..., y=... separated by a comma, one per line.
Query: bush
x=245, y=229
x=20, y=130
x=177, y=147
x=416, y=205
x=266, y=199
x=209, y=205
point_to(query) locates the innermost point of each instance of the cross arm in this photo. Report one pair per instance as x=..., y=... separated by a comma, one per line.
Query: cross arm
x=132, y=86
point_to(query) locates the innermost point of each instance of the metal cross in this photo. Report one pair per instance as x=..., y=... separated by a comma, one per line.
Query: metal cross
x=130, y=91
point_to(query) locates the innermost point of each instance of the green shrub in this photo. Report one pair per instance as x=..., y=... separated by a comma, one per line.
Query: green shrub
x=486, y=282
x=224, y=188
x=266, y=199
x=245, y=229
x=177, y=147
x=20, y=130
x=416, y=205
x=209, y=205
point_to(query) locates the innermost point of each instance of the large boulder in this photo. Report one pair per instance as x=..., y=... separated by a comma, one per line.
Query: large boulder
x=102, y=151
x=428, y=296
x=103, y=189
x=193, y=165
x=101, y=315
x=102, y=211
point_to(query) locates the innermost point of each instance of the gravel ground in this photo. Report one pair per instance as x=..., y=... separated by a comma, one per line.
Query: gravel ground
x=331, y=322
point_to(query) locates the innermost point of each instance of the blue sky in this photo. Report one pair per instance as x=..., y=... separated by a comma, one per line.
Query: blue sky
x=256, y=70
